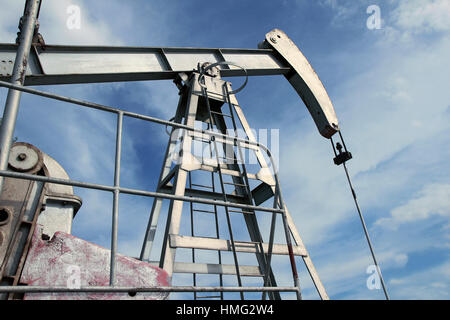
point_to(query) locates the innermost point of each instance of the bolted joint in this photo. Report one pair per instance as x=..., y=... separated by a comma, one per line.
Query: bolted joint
x=22, y=157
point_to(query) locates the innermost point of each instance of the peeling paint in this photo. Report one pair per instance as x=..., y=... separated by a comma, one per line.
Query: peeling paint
x=48, y=261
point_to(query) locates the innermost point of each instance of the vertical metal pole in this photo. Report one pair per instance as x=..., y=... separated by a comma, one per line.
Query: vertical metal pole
x=289, y=245
x=174, y=215
x=191, y=206
x=150, y=233
x=286, y=228
x=216, y=218
x=227, y=213
x=18, y=77
x=366, y=233
x=269, y=251
x=251, y=225
x=115, y=215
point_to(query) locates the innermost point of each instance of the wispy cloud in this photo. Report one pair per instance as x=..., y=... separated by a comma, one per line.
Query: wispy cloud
x=418, y=17
x=433, y=199
x=432, y=283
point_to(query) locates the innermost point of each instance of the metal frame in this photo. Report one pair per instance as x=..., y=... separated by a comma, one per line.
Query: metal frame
x=42, y=67
x=116, y=189
x=49, y=65
x=188, y=104
x=37, y=289
x=17, y=77
x=243, y=185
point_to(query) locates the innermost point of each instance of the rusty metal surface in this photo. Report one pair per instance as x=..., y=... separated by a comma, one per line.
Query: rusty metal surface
x=19, y=202
x=19, y=231
x=58, y=262
x=25, y=232
x=13, y=201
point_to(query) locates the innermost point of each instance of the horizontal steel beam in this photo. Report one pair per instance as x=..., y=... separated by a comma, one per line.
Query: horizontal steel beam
x=277, y=55
x=56, y=64
x=37, y=289
x=144, y=193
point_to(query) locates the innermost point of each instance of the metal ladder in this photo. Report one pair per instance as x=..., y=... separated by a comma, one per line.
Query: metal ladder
x=240, y=182
x=177, y=178
x=216, y=222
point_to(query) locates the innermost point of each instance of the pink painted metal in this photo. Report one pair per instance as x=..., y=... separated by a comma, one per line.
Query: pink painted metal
x=68, y=261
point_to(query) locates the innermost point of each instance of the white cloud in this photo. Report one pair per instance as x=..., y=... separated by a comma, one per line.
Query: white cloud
x=418, y=16
x=9, y=19
x=343, y=10
x=410, y=21
x=53, y=23
x=433, y=199
x=93, y=29
x=432, y=283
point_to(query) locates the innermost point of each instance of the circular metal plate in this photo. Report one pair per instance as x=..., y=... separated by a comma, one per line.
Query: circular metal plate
x=25, y=157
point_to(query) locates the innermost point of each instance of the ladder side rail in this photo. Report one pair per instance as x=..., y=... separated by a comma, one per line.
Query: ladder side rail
x=191, y=207
x=176, y=206
x=266, y=269
x=227, y=214
x=216, y=219
x=150, y=232
x=250, y=220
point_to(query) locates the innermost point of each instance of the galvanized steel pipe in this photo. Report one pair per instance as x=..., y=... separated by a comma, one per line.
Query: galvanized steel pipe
x=18, y=77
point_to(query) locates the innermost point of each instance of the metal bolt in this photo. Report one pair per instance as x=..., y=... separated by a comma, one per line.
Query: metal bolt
x=21, y=156
x=274, y=40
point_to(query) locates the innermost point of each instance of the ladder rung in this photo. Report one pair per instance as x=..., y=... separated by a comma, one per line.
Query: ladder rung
x=233, y=159
x=224, y=170
x=233, y=173
x=241, y=211
x=201, y=185
x=235, y=184
x=232, y=198
x=201, y=140
x=229, y=141
x=230, y=161
x=210, y=243
x=222, y=114
x=213, y=268
x=206, y=211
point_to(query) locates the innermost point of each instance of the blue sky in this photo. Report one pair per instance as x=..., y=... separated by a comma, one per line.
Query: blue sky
x=389, y=87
